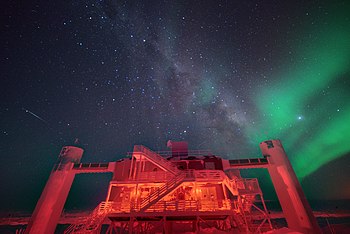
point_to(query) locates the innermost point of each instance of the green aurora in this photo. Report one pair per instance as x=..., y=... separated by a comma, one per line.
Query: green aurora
x=308, y=105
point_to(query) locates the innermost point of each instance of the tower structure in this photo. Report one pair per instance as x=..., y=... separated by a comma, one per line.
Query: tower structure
x=51, y=202
x=296, y=208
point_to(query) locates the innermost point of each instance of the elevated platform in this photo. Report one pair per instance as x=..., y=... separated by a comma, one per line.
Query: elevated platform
x=93, y=167
x=249, y=163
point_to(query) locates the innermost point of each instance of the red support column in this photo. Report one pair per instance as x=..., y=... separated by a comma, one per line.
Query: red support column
x=296, y=208
x=51, y=202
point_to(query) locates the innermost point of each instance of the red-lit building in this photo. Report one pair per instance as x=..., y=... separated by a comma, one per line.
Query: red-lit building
x=176, y=192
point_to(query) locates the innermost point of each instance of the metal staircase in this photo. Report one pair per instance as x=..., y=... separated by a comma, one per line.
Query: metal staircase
x=230, y=184
x=92, y=223
x=240, y=223
x=247, y=202
x=162, y=191
x=169, y=186
x=156, y=159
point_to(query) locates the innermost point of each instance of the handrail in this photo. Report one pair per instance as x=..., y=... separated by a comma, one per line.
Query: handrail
x=208, y=174
x=156, y=158
x=188, y=153
x=248, y=186
x=94, y=219
x=230, y=184
x=175, y=181
x=154, y=176
x=179, y=205
x=161, y=191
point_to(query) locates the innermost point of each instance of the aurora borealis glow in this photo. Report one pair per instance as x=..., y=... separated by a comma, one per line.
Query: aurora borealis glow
x=222, y=75
x=316, y=89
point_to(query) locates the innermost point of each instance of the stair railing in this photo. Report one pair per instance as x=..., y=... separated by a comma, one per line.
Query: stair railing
x=153, y=156
x=94, y=219
x=162, y=191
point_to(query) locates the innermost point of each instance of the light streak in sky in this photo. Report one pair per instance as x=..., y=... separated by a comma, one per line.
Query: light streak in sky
x=35, y=115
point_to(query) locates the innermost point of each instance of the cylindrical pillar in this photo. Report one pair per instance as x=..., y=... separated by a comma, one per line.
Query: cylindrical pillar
x=51, y=202
x=296, y=208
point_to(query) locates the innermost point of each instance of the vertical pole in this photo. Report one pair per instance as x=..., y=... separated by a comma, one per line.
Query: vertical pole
x=140, y=166
x=197, y=224
x=241, y=207
x=165, y=229
x=296, y=208
x=131, y=225
x=131, y=166
x=143, y=164
x=225, y=194
x=135, y=167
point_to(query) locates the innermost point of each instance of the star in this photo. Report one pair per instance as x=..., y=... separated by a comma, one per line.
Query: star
x=115, y=74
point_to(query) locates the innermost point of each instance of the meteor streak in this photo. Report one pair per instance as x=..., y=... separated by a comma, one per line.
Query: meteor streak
x=35, y=115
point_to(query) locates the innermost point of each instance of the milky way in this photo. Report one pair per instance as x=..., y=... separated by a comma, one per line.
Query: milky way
x=221, y=75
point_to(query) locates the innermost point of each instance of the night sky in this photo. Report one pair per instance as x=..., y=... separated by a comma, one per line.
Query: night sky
x=222, y=75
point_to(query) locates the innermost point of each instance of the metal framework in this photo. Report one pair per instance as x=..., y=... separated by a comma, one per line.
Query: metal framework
x=184, y=193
